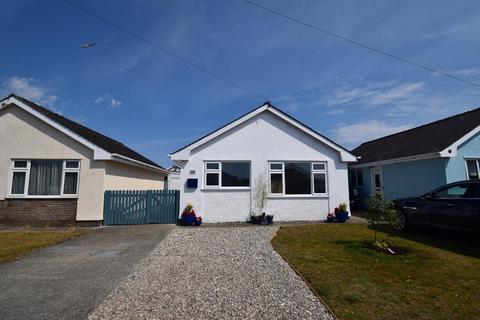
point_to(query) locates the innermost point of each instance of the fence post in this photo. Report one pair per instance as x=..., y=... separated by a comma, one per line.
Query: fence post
x=105, y=208
x=177, y=205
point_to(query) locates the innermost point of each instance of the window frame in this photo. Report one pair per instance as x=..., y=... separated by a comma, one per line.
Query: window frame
x=26, y=169
x=477, y=161
x=219, y=173
x=313, y=172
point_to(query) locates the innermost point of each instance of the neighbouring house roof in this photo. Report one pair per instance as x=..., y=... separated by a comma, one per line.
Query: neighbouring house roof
x=436, y=139
x=110, y=147
x=346, y=156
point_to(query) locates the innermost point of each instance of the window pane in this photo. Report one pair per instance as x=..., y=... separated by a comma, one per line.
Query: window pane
x=212, y=179
x=235, y=174
x=319, y=183
x=359, y=177
x=276, y=166
x=452, y=192
x=319, y=166
x=276, y=183
x=18, y=182
x=213, y=165
x=45, y=177
x=472, y=169
x=473, y=191
x=70, y=183
x=71, y=164
x=20, y=164
x=297, y=178
x=378, y=182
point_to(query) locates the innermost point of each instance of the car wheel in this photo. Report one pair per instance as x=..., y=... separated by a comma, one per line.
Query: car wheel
x=401, y=221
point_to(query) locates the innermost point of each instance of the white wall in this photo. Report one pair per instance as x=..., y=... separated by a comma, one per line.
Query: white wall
x=174, y=181
x=259, y=140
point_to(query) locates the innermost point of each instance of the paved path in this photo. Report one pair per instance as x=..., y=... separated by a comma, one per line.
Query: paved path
x=213, y=273
x=68, y=280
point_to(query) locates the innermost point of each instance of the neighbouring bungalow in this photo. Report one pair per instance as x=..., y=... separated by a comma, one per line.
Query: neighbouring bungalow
x=54, y=171
x=415, y=161
x=307, y=173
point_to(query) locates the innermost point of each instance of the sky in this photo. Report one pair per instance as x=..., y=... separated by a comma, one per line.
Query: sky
x=132, y=92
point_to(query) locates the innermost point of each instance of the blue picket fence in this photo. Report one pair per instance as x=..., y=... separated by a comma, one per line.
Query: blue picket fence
x=141, y=206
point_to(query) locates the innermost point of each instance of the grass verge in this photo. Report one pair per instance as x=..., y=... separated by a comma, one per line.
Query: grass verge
x=16, y=243
x=437, y=279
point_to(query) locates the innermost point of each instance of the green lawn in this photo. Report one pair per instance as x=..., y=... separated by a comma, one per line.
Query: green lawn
x=438, y=279
x=14, y=244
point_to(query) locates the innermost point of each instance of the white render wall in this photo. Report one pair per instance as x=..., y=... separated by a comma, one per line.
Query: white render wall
x=259, y=140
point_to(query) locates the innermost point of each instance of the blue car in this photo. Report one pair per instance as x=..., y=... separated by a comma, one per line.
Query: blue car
x=455, y=206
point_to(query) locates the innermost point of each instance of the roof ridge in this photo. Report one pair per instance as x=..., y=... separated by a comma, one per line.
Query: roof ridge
x=420, y=126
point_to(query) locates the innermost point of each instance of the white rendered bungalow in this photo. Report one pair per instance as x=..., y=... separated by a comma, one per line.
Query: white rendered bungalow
x=306, y=172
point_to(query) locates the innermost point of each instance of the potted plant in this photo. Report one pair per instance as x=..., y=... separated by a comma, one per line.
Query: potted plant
x=330, y=217
x=188, y=215
x=254, y=218
x=263, y=219
x=269, y=218
x=341, y=213
x=198, y=221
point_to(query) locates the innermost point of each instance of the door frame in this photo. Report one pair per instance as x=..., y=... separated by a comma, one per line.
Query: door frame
x=374, y=171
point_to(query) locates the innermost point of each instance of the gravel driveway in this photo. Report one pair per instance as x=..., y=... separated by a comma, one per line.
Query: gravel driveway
x=213, y=273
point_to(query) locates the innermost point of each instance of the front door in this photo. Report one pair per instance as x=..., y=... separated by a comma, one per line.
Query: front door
x=377, y=180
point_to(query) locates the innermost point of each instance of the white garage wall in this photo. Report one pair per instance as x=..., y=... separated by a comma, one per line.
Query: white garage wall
x=259, y=140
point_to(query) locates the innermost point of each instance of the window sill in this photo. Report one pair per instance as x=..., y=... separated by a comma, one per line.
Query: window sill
x=41, y=197
x=299, y=196
x=227, y=189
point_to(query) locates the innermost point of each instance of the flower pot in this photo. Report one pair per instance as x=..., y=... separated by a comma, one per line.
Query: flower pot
x=188, y=220
x=269, y=219
x=342, y=216
x=198, y=222
x=263, y=221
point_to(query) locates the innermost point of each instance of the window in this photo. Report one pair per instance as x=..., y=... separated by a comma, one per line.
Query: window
x=298, y=178
x=227, y=174
x=276, y=178
x=356, y=176
x=456, y=191
x=473, y=168
x=44, y=178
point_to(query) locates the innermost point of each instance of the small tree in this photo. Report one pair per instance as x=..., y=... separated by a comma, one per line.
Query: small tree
x=380, y=211
x=260, y=193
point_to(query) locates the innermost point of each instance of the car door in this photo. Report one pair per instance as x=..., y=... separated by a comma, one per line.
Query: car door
x=444, y=207
x=469, y=208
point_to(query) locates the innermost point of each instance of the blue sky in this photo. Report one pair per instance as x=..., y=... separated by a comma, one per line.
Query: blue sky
x=156, y=104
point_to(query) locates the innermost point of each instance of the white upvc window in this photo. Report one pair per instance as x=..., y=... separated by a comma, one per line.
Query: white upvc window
x=44, y=178
x=227, y=174
x=473, y=169
x=298, y=178
x=212, y=174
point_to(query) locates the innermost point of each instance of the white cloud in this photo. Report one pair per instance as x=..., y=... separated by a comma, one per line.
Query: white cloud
x=109, y=101
x=356, y=133
x=27, y=88
x=468, y=72
x=396, y=99
x=400, y=92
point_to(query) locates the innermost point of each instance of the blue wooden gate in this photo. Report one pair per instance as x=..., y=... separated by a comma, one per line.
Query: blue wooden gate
x=141, y=206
